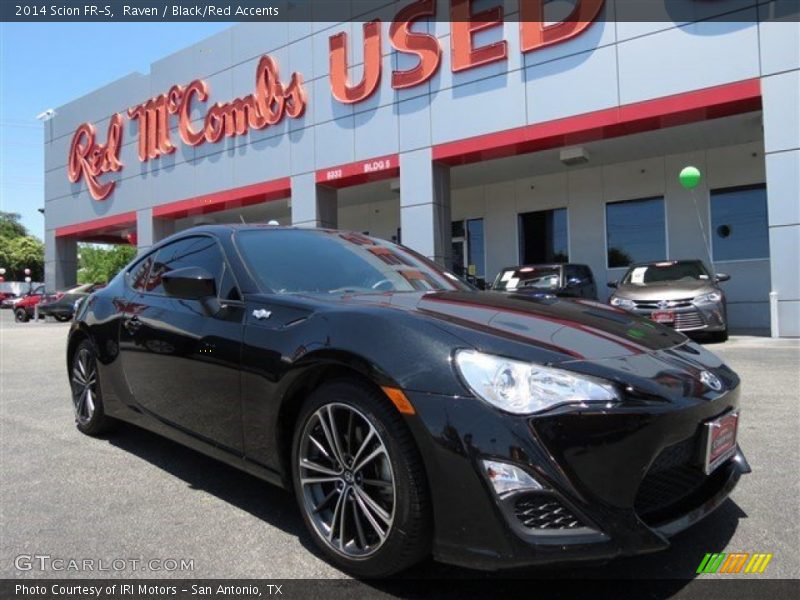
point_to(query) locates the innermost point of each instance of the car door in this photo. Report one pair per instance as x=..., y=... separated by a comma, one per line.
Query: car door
x=180, y=358
x=589, y=286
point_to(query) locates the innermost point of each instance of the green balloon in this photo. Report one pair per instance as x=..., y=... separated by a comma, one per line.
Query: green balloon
x=690, y=177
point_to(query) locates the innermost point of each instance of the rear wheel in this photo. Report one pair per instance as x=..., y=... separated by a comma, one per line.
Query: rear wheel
x=21, y=315
x=90, y=418
x=359, y=480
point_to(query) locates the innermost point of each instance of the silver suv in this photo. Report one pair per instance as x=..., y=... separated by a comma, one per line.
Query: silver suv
x=678, y=293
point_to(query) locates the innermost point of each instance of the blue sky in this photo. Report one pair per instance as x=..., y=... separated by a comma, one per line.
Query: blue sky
x=48, y=64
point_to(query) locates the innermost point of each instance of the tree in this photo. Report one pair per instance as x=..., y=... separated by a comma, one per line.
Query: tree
x=10, y=227
x=99, y=264
x=20, y=253
x=18, y=250
x=618, y=258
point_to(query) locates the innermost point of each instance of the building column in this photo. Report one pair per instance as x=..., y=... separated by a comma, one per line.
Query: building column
x=150, y=230
x=781, y=99
x=313, y=205
x=425, y=206
x=60, y=261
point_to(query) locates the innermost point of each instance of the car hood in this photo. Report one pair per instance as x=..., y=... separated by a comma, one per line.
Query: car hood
x=524, y=326
x=667, y=290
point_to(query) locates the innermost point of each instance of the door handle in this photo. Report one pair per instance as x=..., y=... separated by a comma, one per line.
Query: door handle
x=132, y=324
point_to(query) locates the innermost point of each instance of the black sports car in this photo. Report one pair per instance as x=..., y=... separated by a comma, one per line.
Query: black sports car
x=409, y=413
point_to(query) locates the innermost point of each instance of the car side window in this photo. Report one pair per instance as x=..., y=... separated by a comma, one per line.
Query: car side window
x=571, y=272
x=227, y=289
x=199, y=251
x=586, y=274
x=137, y=275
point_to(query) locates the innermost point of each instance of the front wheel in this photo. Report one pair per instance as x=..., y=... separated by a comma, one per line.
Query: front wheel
x=359, y=480
x=62, y=318
x=90, y=418
x=21, y=315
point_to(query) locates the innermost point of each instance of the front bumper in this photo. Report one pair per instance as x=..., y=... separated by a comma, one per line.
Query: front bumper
x=690, y=318
x=594, y=463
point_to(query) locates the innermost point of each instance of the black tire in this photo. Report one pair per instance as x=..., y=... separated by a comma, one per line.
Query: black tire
x=21, y=315
x=62, y=318
x=94, y=422
x=407, y=539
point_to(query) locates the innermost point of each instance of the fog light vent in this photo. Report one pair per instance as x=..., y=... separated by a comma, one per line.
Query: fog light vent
x=508, y=478
x=544, y=511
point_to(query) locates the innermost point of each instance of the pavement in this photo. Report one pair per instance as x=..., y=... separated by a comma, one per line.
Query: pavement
x=136, y=497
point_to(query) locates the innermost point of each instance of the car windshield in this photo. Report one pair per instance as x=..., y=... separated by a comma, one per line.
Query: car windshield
x=540, y=278
x=291, y=261
x=666, y=272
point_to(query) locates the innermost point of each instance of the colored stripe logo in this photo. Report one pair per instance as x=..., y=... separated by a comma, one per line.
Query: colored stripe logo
x=736, y=562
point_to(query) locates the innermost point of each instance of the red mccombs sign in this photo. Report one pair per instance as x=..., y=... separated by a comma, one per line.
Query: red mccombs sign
x=267, y=105
x=272, y=100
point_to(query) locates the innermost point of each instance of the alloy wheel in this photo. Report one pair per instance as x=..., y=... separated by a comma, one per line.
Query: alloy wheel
x=347, y=482
x=84, y=386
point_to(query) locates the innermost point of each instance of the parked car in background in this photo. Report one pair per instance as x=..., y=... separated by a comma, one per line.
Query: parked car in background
x=24, y=307
x=564, y=280
x=61, y=305
x=410, y=413
x=12, y=292
x=679, y=293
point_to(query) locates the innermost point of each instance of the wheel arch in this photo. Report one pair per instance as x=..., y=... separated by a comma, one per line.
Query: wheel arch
x=76, y=336
x=318, y=369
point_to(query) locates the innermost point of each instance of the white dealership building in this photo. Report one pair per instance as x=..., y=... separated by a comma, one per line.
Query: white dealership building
x=481, y=146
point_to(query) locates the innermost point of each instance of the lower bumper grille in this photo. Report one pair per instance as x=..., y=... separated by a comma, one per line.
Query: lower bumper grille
x=540, y=511
x=689, y=320
x=672, y=477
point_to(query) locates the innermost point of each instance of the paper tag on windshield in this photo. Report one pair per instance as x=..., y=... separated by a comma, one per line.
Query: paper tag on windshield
x=637, y=276
x=512, y=283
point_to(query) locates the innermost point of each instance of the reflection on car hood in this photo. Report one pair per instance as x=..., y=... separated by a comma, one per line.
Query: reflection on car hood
x=571, y=329
x=666, y=290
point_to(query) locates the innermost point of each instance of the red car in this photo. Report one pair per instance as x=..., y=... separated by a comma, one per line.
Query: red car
x=24, y=309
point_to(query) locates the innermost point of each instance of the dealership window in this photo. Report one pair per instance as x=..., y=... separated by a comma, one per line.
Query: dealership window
x=543, y=237
x=739, y=229
x=469, y=250
x=635, y=231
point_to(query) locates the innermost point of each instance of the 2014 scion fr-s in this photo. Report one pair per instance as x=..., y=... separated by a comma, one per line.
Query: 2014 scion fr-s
x=409, y=413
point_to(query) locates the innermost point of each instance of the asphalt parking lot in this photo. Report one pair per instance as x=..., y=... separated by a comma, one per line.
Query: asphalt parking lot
x=137, y=496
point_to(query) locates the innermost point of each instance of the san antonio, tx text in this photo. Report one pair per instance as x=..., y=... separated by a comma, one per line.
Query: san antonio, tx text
x=130, y=589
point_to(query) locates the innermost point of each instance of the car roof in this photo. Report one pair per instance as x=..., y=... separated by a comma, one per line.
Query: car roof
x=543, y=266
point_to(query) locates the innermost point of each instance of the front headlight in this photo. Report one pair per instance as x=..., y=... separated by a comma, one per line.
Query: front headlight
x=713, y=297
x=622, y=303
x=524, y=388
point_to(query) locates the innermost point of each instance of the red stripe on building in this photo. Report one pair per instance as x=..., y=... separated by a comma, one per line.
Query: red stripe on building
x=102, y=225
x=227, y=199
x=364, y=171
x=669, y=111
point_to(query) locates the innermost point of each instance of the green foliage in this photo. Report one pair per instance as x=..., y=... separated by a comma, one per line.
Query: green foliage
x=99, y=264
x=18, y=250
x=10, y=227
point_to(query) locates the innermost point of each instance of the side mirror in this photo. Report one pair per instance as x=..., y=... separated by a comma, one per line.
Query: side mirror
x=189, y=283
x=723, y=277
x=612, y=284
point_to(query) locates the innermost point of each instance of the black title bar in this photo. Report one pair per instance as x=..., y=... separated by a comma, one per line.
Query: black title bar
x=675, y=11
